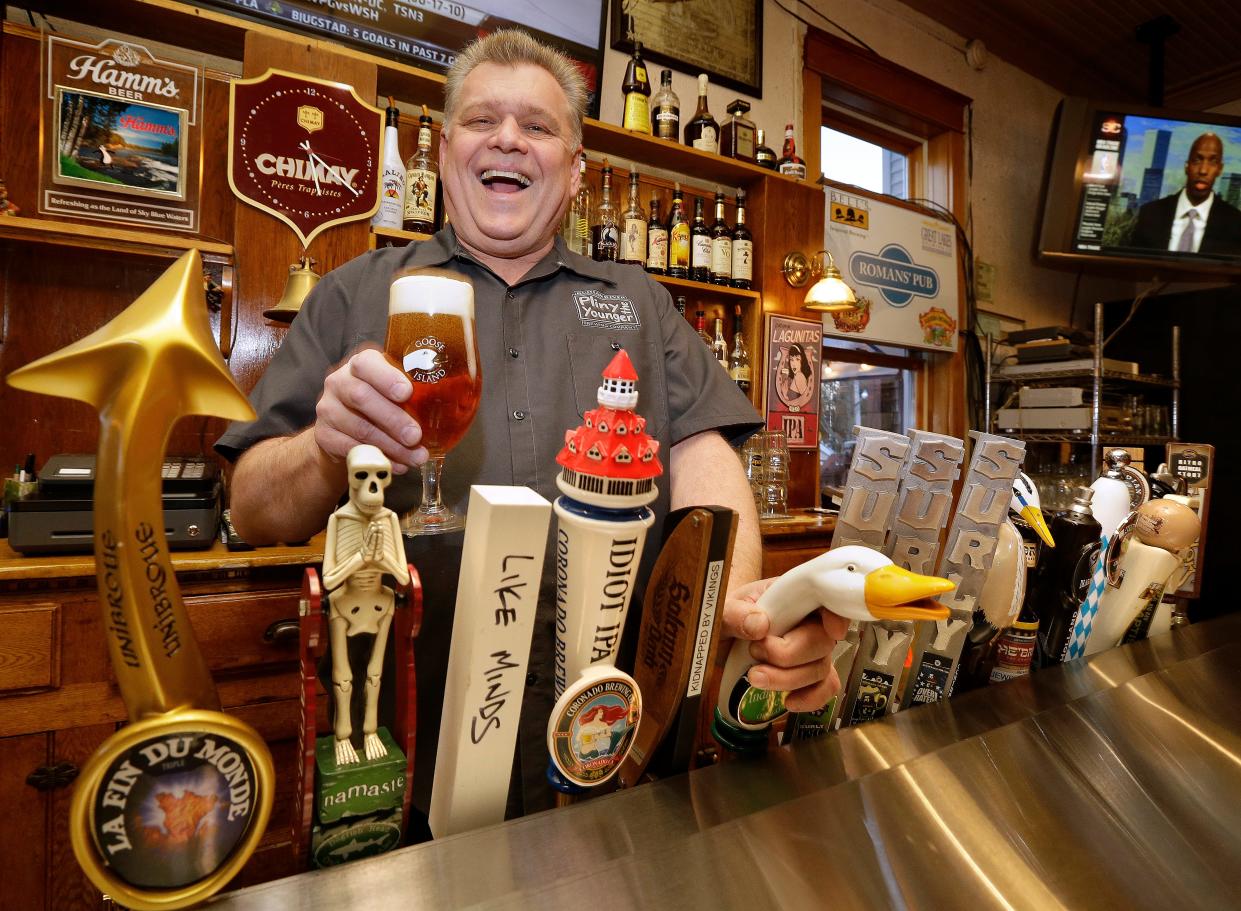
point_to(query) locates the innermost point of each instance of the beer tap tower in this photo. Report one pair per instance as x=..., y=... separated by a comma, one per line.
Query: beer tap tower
x=608, y=469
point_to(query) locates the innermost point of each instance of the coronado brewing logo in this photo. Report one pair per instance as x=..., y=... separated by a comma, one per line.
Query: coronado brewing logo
x=171, y=810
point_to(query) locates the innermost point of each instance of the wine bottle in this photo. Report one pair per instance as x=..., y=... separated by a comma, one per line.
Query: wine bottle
x=678, y=237
x=700, y=246
x=633, y=227
x=743, y=249
x=637, y=89
x=789, y=164
x=719, y=347
x=739, y=359
x=656, y=241
x=764, y=155
x=605, y=232
x=392, y=174
x=702, y=132
x=421, y=174
x=576, y=229
x=721, y=245
x=666, y=115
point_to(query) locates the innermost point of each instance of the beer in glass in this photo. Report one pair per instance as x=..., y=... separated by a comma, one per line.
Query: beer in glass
x=431, y=339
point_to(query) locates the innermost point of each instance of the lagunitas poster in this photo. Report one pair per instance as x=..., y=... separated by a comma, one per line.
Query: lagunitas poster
x=120, y=137
x=794, y=359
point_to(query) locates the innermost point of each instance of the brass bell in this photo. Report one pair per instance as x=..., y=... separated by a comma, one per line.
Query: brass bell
x=301, y=279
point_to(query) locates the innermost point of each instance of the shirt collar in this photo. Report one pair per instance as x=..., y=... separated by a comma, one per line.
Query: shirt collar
x=1183, y=205
x=444, y=246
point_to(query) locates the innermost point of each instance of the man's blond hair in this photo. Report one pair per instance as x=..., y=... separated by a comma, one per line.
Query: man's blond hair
x=512, y=47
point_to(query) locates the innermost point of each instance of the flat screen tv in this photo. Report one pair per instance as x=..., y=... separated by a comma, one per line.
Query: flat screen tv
x=1143, y=192
x=429, y=33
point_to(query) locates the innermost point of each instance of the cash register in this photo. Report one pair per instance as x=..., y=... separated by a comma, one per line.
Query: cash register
x=59, y=519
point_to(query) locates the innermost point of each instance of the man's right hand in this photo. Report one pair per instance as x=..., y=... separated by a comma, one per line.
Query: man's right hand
x=361, y=403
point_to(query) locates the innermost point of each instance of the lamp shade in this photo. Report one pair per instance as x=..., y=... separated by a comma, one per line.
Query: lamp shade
x=830, y=294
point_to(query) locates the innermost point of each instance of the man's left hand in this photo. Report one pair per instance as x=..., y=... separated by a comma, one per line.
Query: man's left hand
x=800, y=661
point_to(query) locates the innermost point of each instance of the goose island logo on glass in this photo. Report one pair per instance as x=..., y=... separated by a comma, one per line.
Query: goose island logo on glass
x=304, y=150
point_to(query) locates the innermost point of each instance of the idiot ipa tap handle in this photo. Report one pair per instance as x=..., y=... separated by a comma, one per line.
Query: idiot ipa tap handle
x=181, y=768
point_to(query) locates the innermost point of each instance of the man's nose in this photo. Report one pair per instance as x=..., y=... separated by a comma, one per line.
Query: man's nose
x=508, y=135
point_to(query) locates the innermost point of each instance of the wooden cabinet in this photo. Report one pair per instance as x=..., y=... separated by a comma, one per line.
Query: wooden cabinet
x=59, y=700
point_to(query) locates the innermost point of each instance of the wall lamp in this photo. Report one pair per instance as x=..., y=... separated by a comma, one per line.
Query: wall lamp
x=829, y=294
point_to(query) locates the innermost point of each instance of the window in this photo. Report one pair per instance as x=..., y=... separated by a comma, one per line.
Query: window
x=862, y=384
x=851, y=159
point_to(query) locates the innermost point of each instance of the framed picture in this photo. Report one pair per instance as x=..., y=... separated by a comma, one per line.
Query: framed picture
x=108, y=143
x=794, y=360
x=722, y=38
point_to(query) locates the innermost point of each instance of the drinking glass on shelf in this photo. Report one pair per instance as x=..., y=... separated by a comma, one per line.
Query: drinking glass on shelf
x=431, y=338
x=775, y=474
x=752, y=456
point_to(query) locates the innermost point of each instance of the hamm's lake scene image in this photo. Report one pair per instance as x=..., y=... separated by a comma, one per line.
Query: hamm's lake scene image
x=130, y=148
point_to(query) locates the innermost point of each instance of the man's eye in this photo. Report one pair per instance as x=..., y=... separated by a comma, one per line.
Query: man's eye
x=536, y=128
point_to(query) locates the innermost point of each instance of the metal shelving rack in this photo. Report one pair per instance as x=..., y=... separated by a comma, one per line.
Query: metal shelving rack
x=1097, y=377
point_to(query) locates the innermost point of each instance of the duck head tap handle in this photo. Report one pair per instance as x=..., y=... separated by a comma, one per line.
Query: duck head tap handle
x=170, y=807
x=854, y=582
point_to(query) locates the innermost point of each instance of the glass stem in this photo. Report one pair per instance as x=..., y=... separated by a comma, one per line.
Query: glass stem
x=431, y=469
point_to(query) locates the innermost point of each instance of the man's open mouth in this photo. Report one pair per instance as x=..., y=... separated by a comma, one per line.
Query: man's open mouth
x=504, y=181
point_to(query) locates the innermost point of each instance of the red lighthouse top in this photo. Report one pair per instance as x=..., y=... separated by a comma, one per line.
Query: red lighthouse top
x=610, y=460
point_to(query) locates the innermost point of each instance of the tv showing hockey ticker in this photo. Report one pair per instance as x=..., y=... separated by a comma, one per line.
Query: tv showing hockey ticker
x=430, y=33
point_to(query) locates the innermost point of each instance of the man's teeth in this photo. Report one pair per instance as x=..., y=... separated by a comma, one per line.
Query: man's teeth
x=521, y=179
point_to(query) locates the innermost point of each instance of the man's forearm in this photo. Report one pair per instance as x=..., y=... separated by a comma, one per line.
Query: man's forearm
x=706, y=472
x=283, y=489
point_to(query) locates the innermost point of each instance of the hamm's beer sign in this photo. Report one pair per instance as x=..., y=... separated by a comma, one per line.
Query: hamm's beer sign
x=902, y=264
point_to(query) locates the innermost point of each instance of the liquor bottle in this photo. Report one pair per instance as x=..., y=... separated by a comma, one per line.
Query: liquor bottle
x=789, y=164
x=1064, y=576
x=700, y=246
x=605, y=232
x=700, y=326
x=719, y=347
x=737, y=134
x=680, y=304
x=678, y=237
x=633, y=227
x=576, y=230
x=421, y=175
x=739, y=359
x=743, y=248
x=721, y=246
x=666, y=115
x=764, y=155
x=392, y=174
x=656, y=241
x=702, y=132
x=637, y=89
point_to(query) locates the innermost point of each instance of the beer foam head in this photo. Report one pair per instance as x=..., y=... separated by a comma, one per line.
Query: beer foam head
x=432, y=291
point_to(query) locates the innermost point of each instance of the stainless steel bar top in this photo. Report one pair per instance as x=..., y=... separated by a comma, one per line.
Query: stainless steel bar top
x=1109, y=782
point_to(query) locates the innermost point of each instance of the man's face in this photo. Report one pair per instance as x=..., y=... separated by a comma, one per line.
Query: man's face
x=507, y=160
x=1205, y=162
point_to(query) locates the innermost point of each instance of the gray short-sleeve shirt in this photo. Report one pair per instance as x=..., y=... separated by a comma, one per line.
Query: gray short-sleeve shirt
x=543, y=344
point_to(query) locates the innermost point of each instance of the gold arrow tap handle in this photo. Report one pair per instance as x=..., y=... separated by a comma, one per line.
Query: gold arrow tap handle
x=206, y=775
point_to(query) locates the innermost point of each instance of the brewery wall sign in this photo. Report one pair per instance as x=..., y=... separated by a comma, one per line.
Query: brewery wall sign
x=121, y=133
x=304, y=150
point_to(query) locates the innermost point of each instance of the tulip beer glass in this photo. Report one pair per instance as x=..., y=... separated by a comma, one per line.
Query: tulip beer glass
x=431, y=338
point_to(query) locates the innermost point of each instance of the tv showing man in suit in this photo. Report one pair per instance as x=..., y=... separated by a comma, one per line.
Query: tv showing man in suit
x=1195, y=219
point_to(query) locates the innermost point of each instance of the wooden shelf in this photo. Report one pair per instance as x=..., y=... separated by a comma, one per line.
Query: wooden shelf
x=676, y=285
x=672, y=156
x=97, y=237
x=395, y=237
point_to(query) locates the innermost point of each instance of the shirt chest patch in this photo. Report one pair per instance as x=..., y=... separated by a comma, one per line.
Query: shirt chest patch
x=606, y=311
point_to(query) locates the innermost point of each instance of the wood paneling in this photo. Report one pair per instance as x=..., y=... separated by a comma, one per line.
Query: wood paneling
x=23, y=847
x=266, y=247
x=67, y=885
x=30, y=646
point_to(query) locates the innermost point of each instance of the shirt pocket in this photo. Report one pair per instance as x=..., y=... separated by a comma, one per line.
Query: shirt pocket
x=589, y=355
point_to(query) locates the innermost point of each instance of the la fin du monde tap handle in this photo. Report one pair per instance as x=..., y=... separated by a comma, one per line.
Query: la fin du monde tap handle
x=180, y=760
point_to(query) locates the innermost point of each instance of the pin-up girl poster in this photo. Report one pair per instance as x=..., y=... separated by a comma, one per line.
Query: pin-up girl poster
x=793, y=359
